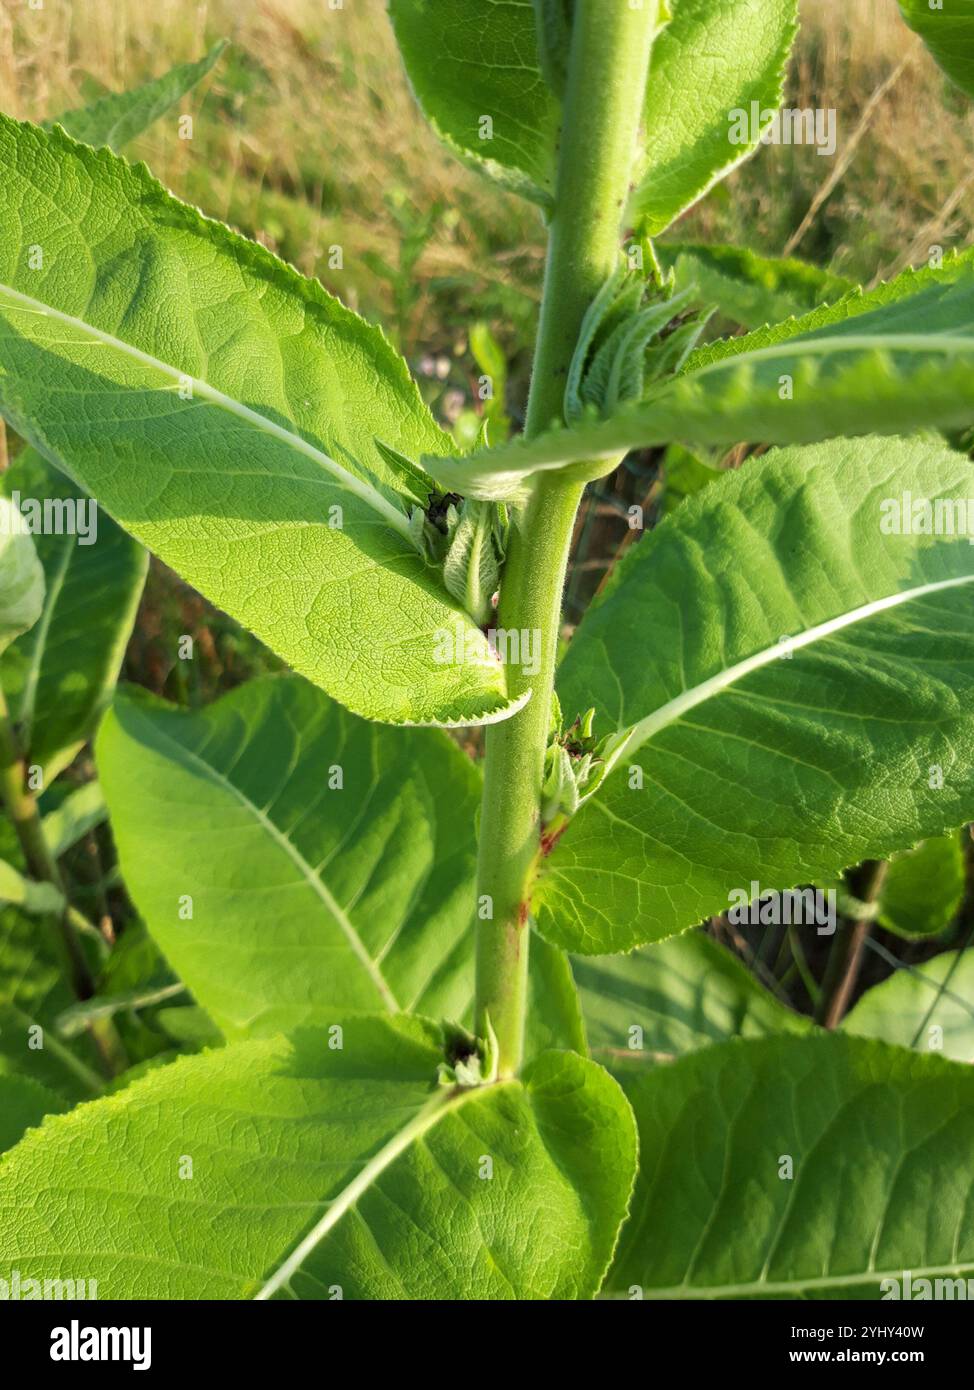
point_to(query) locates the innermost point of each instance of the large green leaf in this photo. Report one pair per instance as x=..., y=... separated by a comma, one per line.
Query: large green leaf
x=318, y=1169
x=947, y=28
x=115, y=119
x=307, y=896
x=225, y=411
x=58, y=677
x=929, y=1007
x=793, y=691
x=879, y=1141
x=747, y=288
x=890, y=362
x=671, y=998
x=23, y=1104
x=467, y=61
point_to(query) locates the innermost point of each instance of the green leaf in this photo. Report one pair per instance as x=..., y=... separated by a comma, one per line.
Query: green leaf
x=357, y=842
x=747, y=288
x=23, y=1104
x=878, y=1138
x=664, y=1000
x=891, y=362
x=475, y=72
x=114, y=120
x=59, y=676
x=351, y=1156
x=807, y=701
x=955, y=269
x=225, y=411
x=79, y=812
x=21, y=576
x=924, y=888
x=711, y=61
x=948, y=32
x=929, y=1007
x=469, y=63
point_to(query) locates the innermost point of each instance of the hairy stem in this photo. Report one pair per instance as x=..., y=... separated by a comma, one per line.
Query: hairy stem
x=603, y=102
x=21, y=806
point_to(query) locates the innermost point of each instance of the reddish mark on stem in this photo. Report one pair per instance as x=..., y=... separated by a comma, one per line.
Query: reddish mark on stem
x=550, y=837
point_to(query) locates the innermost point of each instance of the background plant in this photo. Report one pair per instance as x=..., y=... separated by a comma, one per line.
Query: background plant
x=281, y=908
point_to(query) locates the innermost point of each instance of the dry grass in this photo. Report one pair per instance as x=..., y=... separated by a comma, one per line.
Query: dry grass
x=307, y=136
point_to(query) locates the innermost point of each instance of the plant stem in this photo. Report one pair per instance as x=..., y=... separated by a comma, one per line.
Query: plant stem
x=21, y=806
x=603, y=102
x=845, y=957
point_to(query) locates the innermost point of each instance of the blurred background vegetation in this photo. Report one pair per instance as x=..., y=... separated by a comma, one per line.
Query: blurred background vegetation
x=306, y=137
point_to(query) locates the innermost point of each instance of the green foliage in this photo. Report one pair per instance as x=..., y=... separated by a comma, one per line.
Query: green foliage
x=281, y=510
x=59, y=676
x=363, y=1152
x=363, y=857
x=310, y=973
x=948, y=31
x=21, y=576
x=924, y=888
x=791, y=639
x=664, y=1000
x=23, y=1104
x=890, y=362
x=749, y=289
x=871, y=1131
x=116, y=119
x=710, y=61
x=927, y=1007
x=469, y=65
x=355, y=843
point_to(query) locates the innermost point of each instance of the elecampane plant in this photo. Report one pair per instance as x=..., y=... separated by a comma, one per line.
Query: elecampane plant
x=447, y=1028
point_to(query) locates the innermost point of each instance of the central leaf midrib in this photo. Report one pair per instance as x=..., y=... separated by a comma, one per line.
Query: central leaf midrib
x=441, y=1103
x=824, y=1281
x=342, y=919
x=835, y=343
x=720, y=681
x=361, y=489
